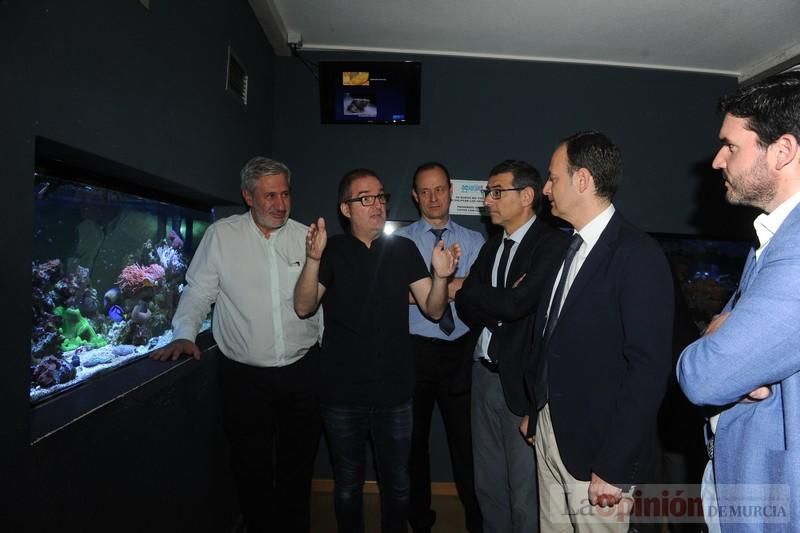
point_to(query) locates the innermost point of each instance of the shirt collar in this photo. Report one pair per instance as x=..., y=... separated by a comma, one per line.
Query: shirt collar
x=518, y=235
x=426, y=226
x=591, y=232
x=767, y=224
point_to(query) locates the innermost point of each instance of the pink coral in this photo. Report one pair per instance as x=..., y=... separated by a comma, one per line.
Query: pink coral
x=136, y=277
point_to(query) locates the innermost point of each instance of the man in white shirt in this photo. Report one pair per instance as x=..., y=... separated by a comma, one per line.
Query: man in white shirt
x=747, y=362
x=248, y=265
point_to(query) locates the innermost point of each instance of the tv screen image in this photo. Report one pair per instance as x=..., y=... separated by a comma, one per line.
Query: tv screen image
x=378, y=92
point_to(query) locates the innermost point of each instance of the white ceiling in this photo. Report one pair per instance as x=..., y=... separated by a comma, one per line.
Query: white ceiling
x=734, y=37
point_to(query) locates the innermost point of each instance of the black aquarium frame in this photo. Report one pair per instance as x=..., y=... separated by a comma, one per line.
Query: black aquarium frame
x=64, y=162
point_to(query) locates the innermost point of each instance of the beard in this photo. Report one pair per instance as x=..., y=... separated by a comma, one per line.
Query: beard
x=754, y=186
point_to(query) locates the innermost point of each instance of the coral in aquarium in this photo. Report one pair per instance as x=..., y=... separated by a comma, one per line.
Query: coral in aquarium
x=52, y=370
x=77, y=330
x=171, y=259
x=174, y=239
x=45, y=337
x=136, y=277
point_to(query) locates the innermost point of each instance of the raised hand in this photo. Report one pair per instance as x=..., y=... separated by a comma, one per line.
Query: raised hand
x=316, y=239
x=445, y=260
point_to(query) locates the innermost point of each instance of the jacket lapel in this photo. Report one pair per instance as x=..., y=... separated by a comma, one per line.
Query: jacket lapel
x=597, y=257
x=521, y=256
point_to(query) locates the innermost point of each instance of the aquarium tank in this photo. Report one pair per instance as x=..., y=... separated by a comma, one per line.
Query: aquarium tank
x=109, y=260
x=707, y=271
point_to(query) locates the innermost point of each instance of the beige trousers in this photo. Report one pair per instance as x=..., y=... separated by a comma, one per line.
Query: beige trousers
x=563, y=500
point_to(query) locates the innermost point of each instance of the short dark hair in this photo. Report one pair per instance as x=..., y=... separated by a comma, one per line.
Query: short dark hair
x=595, y=152
x=351, y=176
x=524, y=175
x=430, y=165
x=771, y=106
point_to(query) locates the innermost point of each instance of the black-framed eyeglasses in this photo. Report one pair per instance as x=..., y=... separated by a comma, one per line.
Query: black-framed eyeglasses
x=369, y=199
x=496, y=194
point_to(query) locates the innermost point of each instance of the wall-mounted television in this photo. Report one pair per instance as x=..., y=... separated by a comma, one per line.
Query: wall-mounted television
x=369, y=92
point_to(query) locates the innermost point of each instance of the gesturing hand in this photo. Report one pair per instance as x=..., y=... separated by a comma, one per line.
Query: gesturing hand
x=445, y=260
x=316, y=239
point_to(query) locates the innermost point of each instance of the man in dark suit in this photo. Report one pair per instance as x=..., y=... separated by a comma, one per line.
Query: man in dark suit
x=498, y=299
x=603, y=349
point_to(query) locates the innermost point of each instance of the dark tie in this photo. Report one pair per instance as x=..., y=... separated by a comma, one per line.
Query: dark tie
x=555, y=305
x=542, y=386
x=500, y=275
x=446, y=323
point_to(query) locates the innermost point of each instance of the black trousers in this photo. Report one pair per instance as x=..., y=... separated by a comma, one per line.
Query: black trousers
x=271, y=417
x=443, y=377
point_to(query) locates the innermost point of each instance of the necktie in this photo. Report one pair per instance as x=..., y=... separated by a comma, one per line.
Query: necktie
x=542, y=386
x=500, y=275
x=555, y=306
x=446, y=323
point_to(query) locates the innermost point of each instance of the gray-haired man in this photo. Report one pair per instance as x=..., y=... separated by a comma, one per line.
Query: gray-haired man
x=248, y=264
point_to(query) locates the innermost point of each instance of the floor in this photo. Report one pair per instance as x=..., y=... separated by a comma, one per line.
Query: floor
x=449, y=513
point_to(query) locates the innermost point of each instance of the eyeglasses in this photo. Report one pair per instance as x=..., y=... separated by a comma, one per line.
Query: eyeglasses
x=369, y=199
x=496, y=194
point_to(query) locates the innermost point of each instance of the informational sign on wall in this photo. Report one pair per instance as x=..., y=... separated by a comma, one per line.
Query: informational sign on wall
x=467, y=197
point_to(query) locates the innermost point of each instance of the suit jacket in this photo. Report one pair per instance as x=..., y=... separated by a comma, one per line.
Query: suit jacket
x=758, y=344
x=608, y=359
x=508, y=313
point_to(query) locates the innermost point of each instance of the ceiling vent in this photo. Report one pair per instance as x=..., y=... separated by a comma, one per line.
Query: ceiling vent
x=236, y=80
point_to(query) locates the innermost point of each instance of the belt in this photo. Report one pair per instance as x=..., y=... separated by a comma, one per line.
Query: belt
x=491, y=366
x=433, y=340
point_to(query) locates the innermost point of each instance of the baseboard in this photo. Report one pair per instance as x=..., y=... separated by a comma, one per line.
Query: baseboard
x=438, y=488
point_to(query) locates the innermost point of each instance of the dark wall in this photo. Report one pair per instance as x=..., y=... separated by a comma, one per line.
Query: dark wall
x=144, y=88
x=477, y=112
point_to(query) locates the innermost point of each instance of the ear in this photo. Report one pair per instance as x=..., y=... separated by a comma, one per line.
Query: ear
x=786, y=150
x=344, y=207
x=248, y=197
x=527, y=195
x=583, y=179
x=414, y=195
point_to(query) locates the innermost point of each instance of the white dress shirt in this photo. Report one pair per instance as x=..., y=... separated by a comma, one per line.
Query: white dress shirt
x=251, y=278
x=482, y=348
x=590, y=234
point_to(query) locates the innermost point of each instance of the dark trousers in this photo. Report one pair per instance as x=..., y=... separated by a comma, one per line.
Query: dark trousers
x=443, y=377
x=347, y=429
x=271, y=417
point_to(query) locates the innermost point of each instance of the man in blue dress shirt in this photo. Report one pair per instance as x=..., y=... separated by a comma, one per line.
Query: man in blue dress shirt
x=442, y=354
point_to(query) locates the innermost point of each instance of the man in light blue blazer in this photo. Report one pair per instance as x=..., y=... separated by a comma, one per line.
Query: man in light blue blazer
x=748, y=362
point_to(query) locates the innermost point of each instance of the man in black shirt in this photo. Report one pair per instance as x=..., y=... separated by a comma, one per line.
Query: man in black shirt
x=363, y=279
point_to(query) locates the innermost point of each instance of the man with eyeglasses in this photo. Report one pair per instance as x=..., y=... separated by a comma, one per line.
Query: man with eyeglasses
x=363, y=279
x=499, y=298
x=442, y=353
x=248, y=264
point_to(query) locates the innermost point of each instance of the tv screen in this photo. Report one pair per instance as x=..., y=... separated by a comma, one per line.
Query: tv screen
x=369, y=92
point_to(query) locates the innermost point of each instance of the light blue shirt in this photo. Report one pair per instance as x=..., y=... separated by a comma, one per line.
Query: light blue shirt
x=470, y=241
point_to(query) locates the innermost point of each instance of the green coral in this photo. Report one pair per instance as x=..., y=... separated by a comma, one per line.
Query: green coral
x=77, y=330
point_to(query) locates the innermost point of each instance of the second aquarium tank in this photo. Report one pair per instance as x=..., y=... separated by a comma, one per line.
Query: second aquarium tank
x=109, y=260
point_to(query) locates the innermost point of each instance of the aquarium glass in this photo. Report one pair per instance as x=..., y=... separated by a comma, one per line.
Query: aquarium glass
x=707, y=270
x=108, y=269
